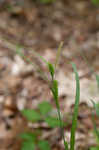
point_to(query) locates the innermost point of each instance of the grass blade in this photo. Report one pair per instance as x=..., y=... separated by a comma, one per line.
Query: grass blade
x=97, y=79
x=77, y=98
x=96, y=107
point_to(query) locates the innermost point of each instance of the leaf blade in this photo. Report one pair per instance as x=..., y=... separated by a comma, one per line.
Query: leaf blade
x=31, y=115
x=28, y=145
x=77, y=98
x=28, y=136
x=45, y=107
x=44, y=145
x=53, y=122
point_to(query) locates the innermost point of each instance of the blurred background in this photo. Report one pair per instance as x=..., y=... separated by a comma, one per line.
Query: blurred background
x=40, y=26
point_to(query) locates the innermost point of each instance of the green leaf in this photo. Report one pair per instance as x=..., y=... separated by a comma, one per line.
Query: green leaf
x=97, y=79
x=31, y=115
x=96, y=107
x=76, y=106
x=51, y=69
x=53, y=122
x=29, y=145
x=28, y=136
x=45, y=107
x=44, y=145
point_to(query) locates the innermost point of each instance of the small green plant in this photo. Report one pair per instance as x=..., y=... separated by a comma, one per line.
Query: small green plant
x=43, y=113
x=44, y=109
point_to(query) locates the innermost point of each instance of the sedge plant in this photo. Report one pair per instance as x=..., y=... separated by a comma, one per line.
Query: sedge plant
x=33, y=115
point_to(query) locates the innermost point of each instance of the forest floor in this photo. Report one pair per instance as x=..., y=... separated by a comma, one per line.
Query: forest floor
x=41, y=28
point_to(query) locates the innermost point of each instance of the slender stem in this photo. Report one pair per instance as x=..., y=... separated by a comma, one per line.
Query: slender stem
x=61, y=128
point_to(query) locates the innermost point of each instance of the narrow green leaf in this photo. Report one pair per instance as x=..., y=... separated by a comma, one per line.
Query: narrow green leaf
x=28, y=136
x=51, y=70
x=31, y=115
x=45, y=107
x=44, y=145
x=74, y=120
x=38, y=55
x=97, y=79
x=96, y=107
x=28, y=145
x=19, y=52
